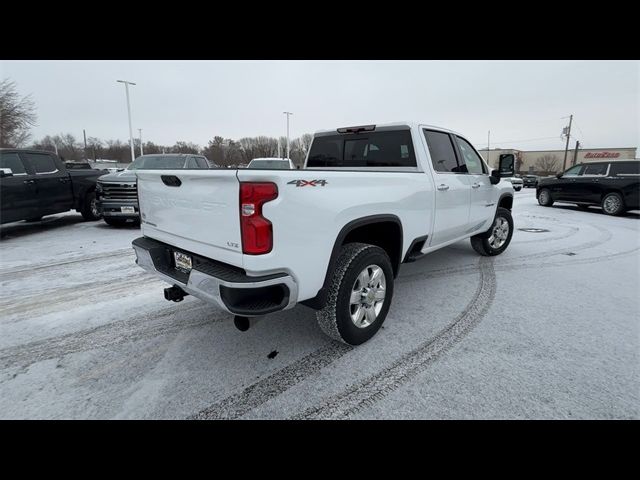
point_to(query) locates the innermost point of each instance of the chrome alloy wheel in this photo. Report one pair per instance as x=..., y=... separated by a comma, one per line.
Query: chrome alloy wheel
x=367, y=296
x=499, y=233
x=611, y=204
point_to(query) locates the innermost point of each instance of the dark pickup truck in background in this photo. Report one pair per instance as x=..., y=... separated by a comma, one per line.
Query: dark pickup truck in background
x=35, y=183
x=615, y=186
x=117, y=193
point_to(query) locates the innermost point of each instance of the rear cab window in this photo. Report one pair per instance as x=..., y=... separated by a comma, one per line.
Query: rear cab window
x=382, y=149
x=442, y=152
x=12, y=161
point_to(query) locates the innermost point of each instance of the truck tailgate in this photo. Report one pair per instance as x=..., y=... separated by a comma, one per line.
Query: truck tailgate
x=195, y=209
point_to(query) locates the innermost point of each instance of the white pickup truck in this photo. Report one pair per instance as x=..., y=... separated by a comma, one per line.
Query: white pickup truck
x=332, y=235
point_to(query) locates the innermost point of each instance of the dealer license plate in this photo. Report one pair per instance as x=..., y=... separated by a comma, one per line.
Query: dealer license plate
x=183, y=262
x=128, y=209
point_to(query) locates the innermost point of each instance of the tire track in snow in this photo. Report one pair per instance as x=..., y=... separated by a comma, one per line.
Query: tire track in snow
x=165, y=321
x=87, y=258
x=59, y=299
x=514, y=263
x=275, y=384
x=375, y=387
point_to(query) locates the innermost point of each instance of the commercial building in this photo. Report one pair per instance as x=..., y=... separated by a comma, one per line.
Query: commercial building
x=547, y=162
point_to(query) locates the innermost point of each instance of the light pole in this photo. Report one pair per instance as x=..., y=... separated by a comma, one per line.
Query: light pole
x=287, y=114
x=141, y=150
x=126, y=87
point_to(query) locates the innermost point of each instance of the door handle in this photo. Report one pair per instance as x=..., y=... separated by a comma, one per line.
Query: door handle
x=442, y=187
x=475, y=185
x=29, y=182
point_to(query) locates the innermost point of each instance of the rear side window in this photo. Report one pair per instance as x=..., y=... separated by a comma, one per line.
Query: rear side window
x=626, y=168
x=442, y=153
x=595, y=169
x=41, y=162
x=372, y=149
x=12, y=161
x=472, y=160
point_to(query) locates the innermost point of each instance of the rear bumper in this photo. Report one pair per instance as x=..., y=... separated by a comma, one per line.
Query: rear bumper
x=220, y=284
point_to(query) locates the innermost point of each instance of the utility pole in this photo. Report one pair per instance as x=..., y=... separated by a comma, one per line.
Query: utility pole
x=488, y=147
x=287, y=114
x=141, y=151
x=566, y=148
x=85, y=144
x=126, y=87
x=575, y=155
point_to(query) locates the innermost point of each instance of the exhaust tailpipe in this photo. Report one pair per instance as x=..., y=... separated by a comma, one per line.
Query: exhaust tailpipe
x=244, y=323
x=174, y=294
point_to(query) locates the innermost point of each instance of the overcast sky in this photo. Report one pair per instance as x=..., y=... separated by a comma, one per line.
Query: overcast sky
x=195, y=100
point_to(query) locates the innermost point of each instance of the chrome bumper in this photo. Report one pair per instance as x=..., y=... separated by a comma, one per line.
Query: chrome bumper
x=207, y=287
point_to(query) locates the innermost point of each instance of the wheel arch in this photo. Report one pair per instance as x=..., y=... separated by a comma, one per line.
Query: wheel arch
x=384, y=231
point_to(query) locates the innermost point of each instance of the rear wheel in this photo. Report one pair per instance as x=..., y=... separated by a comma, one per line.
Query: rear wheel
x=544, y=198
x=612, y=204
x=359, y=295
x=495, y=240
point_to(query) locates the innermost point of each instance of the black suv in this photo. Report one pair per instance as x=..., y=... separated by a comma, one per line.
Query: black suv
x=615, y=186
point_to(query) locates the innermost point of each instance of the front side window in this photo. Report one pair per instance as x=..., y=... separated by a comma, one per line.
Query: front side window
x=370, y=149
x=573, y=171
x=12, y=161
x=596, y=169
x=472, y=160
x=202, y=162
x=443, y=155
x=41, y=162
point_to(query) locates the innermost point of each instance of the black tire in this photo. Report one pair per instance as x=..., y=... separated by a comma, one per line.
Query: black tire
x=613, y=204
x=89, y=210
x=115, y=222
x=517, y=189
x=335, y=318
x=482, y=243
x=545, y=200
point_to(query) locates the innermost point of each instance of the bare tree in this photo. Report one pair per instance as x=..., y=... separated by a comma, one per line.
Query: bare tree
x=17, y=115
x=519, y=161
x=547, y=163
x=184, y=147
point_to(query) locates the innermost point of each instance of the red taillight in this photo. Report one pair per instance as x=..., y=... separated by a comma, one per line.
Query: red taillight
x=257, y=231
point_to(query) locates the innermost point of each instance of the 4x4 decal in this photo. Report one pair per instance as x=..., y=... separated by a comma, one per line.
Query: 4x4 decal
x=304, y=183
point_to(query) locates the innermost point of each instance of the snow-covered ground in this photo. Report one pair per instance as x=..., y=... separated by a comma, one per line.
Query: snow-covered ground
x=549, y=329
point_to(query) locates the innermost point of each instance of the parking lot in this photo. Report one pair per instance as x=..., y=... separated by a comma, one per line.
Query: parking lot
x=549, y=329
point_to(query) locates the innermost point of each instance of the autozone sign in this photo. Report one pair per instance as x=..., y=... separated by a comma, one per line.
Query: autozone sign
x=602, y=155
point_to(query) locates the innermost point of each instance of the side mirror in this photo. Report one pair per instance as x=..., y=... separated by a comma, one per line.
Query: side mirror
x=559, y=175
x=495, y=177
x=6, y=172
x=506, y=165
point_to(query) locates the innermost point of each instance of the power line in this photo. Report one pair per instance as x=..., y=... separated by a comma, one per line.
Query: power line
x=523, y=140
